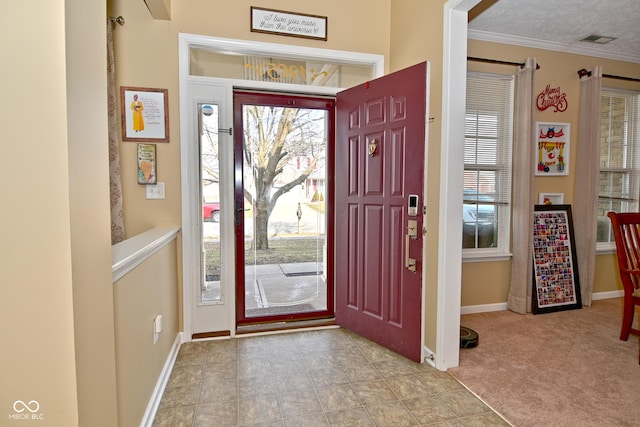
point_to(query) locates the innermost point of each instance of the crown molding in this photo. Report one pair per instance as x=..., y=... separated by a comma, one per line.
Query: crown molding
x=550, y=45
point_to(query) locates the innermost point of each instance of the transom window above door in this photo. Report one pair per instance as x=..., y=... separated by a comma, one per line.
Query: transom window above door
x=278, y=70
x=259, y=62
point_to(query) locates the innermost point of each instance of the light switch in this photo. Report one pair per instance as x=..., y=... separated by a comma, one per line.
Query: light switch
x=157, y=328
x=155, y=191
x=157, y=324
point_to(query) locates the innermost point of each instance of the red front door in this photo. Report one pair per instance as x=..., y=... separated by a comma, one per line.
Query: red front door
x=380, y=157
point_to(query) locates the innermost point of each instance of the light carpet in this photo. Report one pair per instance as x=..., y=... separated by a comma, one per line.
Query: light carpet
x=567, y=368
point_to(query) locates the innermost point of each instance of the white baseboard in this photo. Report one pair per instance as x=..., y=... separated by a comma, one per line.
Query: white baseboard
x=483, y=308
x=486, y=308
x=156, y=396
x=607, y=295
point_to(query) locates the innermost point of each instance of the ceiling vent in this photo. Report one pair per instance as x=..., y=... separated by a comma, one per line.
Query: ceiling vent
x=594, y=38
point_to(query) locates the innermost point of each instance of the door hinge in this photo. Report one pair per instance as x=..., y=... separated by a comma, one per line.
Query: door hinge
x=229, y=131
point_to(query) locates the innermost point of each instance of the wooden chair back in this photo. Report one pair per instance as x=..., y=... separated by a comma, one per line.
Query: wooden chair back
x=626, y=231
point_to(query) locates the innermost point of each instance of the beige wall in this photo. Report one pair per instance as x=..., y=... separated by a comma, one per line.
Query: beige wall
x=406, y=32
x=485, y=282
x=90, y=217
x=55, y=289
x=416, y=36
x=36, y=307
x=488, y=282
x=147, y=56
x=147, y=291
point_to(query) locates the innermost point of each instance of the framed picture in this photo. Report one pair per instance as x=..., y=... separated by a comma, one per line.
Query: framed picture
x=555, y=268
x=553, y=144
x=272, y=21
x=147, y=164
x=144, y=114
x=550, y=198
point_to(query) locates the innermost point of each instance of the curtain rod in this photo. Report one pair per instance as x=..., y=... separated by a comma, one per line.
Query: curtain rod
x=583, y=72
x=496, y=61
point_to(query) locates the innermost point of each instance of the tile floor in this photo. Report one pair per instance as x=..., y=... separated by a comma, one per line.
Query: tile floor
x=326, y=377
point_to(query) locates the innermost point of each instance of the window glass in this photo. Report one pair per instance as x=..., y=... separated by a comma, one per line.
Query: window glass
x=619, y=163
x=210, y=289
x=270, y=69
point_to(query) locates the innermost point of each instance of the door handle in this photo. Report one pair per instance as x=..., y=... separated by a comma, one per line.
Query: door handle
x=412, y=234
x=239, y=212
x=409, y=263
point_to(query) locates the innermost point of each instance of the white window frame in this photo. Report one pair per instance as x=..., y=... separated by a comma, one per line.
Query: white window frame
x=502, y=250
x=631, y=134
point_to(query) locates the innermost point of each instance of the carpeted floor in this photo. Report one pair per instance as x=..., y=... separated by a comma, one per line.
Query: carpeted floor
x=557, y=369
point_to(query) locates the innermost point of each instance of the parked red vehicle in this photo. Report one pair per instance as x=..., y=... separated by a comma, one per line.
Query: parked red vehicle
x=211, y=211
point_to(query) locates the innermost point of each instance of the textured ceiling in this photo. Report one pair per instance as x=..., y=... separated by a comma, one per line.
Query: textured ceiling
x=560, y=24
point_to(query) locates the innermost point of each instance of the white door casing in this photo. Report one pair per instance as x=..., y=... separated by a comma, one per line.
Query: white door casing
x=454, y=84
x=453, y=106
x=197, y=89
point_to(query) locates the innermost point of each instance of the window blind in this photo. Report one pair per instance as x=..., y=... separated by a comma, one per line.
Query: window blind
x=619, y=156
x=619, y=146
x=488, y=138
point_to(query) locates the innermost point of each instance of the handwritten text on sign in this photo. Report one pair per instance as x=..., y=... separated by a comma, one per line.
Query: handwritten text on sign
x=285, y=23
x=552, y=97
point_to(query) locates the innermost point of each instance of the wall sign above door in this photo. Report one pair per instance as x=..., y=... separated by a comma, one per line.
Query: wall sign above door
x=273, y=21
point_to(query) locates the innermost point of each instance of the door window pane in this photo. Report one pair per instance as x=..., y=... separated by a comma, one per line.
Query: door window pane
x=284, y=217
x=210, y=191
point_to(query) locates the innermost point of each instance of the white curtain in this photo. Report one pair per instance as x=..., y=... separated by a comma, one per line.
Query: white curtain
x=115, y=185
x=585, y=204
x=519, y=299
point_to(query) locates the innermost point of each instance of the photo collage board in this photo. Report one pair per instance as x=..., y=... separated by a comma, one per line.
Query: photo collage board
x=555, y=269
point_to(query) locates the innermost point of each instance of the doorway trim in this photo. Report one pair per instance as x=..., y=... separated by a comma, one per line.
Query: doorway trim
x=188, y=152
x=454, y=85
x=244, y=265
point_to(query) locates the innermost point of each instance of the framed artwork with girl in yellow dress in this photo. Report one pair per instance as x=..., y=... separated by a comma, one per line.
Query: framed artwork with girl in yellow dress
x=144, y=114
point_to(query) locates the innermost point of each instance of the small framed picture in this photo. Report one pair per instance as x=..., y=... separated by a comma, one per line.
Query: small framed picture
x=147, y=164
x=550, y=198
x=144, y=114
x=553, y=143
